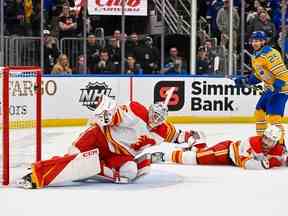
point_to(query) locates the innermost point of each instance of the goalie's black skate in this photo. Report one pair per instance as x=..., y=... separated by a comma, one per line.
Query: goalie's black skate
x=26, y=182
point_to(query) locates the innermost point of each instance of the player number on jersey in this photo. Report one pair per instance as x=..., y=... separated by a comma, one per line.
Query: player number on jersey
x=272, y=58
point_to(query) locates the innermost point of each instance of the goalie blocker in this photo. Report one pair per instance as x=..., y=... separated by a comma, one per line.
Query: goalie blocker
x=84, y=166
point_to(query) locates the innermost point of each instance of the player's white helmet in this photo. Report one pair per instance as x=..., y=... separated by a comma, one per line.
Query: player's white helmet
x=271, y=136
x=157, y=114
x=105, y=111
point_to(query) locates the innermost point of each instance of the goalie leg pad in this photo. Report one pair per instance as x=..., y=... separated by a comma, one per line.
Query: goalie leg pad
x=125, y=169
x=128, y=170
x=118, y=169
x=67, y=168
x=143, y=164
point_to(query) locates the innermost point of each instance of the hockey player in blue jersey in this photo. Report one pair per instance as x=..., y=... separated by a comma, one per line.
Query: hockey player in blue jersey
x=268, y=67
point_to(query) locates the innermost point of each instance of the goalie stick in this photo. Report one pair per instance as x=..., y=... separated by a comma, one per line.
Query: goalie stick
x=168, y=94
x=254, y=87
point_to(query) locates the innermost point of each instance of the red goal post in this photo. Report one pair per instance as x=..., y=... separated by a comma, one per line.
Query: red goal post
x=18, y=75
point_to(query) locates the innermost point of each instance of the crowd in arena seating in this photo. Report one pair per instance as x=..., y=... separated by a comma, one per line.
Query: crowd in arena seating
x=62, y=20
x=260, y=15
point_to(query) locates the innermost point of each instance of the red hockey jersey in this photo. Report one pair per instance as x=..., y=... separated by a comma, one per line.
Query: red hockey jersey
x=245, y=153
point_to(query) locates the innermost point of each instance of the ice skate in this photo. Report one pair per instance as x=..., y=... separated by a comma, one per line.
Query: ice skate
x=26, y=182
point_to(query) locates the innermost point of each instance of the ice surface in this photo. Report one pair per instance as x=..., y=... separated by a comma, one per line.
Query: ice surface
x=168, y=190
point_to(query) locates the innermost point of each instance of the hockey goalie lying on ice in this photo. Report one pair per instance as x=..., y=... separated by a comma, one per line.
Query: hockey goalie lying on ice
x=110, y=148
x=257, y=152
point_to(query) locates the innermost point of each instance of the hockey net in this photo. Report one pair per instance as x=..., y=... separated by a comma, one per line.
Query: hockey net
x=20, y=120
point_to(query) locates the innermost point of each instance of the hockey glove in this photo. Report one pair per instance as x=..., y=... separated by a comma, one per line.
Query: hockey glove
x=241, y=81
x=278, y=84
x=192, y=138
x=253, y=164
x=244, y=81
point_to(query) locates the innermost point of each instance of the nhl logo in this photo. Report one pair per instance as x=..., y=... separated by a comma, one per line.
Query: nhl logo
x=90, y=96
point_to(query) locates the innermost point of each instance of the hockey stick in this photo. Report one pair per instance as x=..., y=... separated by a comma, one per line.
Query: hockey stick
x=168, y=94
x=254, y=87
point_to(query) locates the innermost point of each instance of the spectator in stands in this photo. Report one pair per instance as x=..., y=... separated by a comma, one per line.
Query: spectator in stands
x=223, y=22
x=202, y=63
x=62, y=66
x=80, y=65
x=80, y=21
x=155, y=53
x=254, y=13
x=213, y=8
x=284, y=42
x=212, y=53
x=117, y=36
x=105, y=65
x=114, y=51
x=263, y=23
x=202, y=36
x=93, y=49
x=67, y=23
x=36, y=19
x=131, y=67
x=276, y=13
x=51, y=52
x=29, y=8
x=174, y=64
x=132, y=43
x=147, y=56
x=210, y=49
x=53, y=9
x=14, y=18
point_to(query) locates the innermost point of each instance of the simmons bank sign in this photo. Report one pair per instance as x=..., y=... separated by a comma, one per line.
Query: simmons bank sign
x=114, y=7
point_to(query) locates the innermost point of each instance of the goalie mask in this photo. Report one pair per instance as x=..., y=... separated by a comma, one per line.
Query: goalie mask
x=105, y=111
x=157, y=114
x=271, y=136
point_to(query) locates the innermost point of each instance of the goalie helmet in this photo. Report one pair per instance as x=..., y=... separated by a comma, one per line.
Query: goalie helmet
x=271, y=136
x=157, y=114
x=105, y=111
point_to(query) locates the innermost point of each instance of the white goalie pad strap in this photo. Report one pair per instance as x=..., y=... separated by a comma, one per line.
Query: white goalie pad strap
x=83, y=166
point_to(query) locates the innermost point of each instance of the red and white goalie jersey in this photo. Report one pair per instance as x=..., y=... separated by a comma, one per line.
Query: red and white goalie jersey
x=118, y=134
x=129, y=132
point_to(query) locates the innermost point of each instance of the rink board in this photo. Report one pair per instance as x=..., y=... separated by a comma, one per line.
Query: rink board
x=69, y=101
